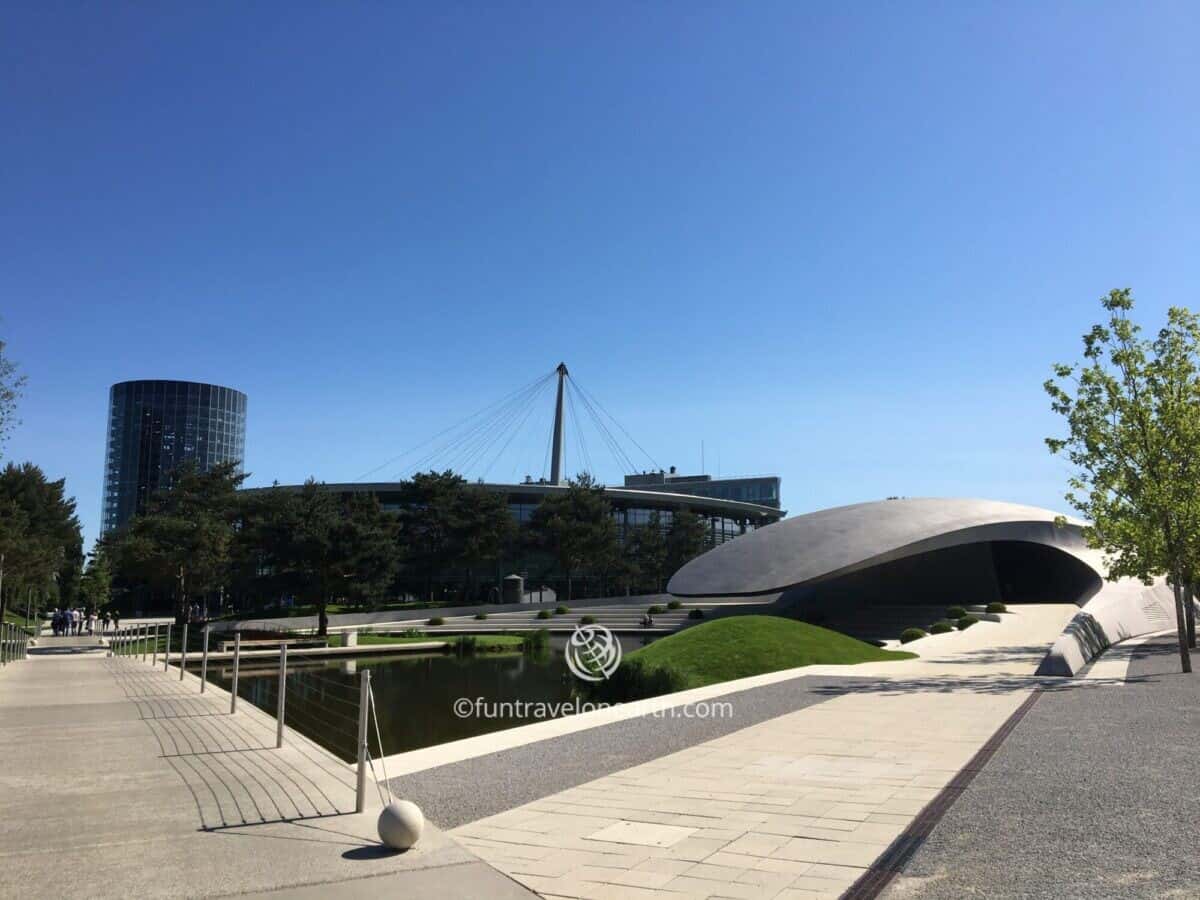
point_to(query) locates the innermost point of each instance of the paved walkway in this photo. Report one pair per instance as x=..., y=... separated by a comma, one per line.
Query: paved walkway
x=797, y=806
x=120, y=780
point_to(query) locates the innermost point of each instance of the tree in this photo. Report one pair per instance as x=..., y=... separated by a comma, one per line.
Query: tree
x=480, y=529
x=576, y=527
x=185, y=534
x=427, y=524
x=1133, y=436
x=647, y=551
x=368, y=540
x=315, y=559
x=687, y=538
x=45, y=542
x=95, y=586
x=12, y=385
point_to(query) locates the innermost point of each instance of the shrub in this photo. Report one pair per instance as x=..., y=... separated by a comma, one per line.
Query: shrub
x=588, y=620
x=941, y=627
x=674, y=604
x=543, y=613
x=966, y=622
x=468, y=644
x=955, y=612
x=655, y=610
x=635, y=681
x=481, y=616
x=436, y=620
x=536, y=641
x=996, y=607
x=696, y=614
x=561, y=610
x=912, y=634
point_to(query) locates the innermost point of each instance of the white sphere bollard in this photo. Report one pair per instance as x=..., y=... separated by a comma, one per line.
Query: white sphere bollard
x=400, y=824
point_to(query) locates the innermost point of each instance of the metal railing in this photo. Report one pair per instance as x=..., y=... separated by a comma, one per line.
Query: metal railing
x=142, y=644
x=14, y=643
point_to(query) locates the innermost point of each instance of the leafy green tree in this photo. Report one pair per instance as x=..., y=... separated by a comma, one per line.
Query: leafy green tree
x=646, y=548
x=330, y=549
x=576, y=527
x=186, y=534
x=480, y=529
x=368, y=540
x=427, y=525
x=1133, y=437
x=687, y=538
x=46, y=552
x=95, y=586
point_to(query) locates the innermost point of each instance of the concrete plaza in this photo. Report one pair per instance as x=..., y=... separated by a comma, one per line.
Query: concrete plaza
x=120, y=780
x=123, y=780
x=798, y=806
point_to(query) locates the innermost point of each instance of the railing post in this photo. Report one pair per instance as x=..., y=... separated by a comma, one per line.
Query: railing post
x=364, y=699
x=145, y=639
x=204, y=662
x=3, y=643
x=183, y=652
x=282, y=694
x=167, y=648
x=154, y=648
x=237, y=658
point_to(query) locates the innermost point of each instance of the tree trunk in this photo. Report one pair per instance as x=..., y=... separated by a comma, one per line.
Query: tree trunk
x=181, y=600
x=570, y=593
x=1190, y=610
x=1185, y=657
x=322, y=618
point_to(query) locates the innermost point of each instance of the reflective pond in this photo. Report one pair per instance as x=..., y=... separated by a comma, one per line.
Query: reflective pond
x=415, y=694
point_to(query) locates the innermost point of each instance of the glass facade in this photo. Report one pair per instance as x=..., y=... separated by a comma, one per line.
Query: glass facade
x=760, y=489
x=153, y=426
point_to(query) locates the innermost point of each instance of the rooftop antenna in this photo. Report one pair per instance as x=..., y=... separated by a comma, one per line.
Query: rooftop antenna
x=556, y=457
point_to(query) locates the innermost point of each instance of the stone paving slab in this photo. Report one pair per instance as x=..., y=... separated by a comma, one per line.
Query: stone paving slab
x=795, y=806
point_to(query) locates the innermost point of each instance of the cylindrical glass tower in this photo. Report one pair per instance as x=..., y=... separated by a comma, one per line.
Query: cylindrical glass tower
x=153, y=426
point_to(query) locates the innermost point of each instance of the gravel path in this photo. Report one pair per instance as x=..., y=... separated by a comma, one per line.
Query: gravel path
x=462, y=792
x=1092, y=796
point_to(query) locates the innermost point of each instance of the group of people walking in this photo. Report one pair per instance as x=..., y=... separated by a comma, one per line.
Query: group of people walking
x=77, y=621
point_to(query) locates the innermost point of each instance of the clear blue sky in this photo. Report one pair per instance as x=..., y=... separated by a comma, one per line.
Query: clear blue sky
x=841, y=243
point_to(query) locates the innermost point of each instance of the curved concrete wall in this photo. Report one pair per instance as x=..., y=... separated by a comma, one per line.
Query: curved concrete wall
x=807, y=549
x=1123, y=609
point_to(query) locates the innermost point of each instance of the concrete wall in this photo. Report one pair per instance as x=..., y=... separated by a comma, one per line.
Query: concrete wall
x=1121, y=610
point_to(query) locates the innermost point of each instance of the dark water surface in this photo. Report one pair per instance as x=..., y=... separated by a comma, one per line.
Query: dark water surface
x=415, y=695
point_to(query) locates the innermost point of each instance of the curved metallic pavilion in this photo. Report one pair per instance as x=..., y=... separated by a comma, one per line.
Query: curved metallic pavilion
x=933, y=550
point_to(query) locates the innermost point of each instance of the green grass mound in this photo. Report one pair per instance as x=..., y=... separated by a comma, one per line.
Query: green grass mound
x=734, y=647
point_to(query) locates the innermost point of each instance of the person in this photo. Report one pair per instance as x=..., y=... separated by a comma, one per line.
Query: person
x=55, y=622
x=116, y=620
x=107, y=621
x=92, y=623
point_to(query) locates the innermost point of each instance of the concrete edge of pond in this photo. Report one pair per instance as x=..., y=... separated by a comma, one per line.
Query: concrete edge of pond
x=412, y=761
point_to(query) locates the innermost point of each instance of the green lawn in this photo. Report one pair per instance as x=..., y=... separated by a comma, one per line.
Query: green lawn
x=482, y=641
x=14, y=618
x=741, y=646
